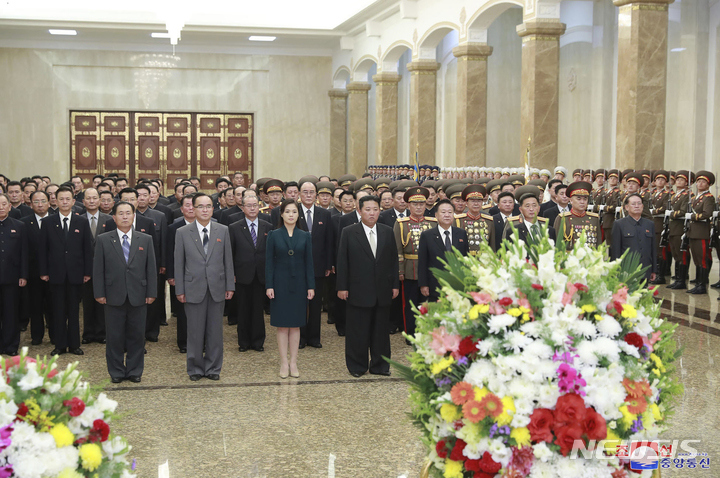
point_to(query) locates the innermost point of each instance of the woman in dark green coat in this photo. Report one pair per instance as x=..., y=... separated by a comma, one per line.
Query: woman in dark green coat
x=290, y=283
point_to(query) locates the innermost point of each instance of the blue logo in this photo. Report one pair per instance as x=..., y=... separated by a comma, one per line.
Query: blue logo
x=644, y=455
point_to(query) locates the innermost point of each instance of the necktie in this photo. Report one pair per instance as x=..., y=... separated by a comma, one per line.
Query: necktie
x=448, y=244
x=253, y=234
x=308, y=219
x=401, y=215
x=206, y=239
x=93, y=225
x=126, y=248
x=65, y=226
x=535, y=229
x=373, y=243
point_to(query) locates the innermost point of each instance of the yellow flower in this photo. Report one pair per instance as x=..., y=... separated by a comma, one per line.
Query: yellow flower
x=480, y=393
x=628, y=312
x=598, y=317
x=453, y=469
x=471, y=432
x=521, y=436
x=442, y=365
x=612, y=441
x=656, y=412
x=477, y=310
x=658, y=363
x=515, y=312
x=38, y=417
x=450, y=412
x=628, y=418
x=647, y=419
x=62, y=435
x=589, y=308
x=508, y=411
x=69, y=473
x=90, y=456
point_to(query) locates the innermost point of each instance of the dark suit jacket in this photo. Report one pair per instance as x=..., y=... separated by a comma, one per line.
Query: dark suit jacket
x=545, y=206
x=323, y=237
x=499, y=223
x=32, y=233
x=169, y=248
x=117, y=280
x=368, y=279
x=340, y=222
x=14, y=261
x=552, y=213
x=523, y=231
x=495, y=210
x=389, y=217
x=160, y=231
x=639, y=237
x=15, y=213
x=241, y=215
x=165, y=210
x=145, y=225
x=248, y=259
x=66, y=259
x=225, y=215
x=432, y=249
x=25, y=210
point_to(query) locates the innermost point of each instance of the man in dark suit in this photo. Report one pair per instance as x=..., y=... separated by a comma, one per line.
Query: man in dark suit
x=125, y=282
x=239, y=193
x=433, y=245
x=37, y=296
x=156, y=204
x=562, y=204
x=347, y=202
x=66, y=263
x=14, y=272
x=93, y=313
x=368, y=279
x=398, y=209
x=506, y=204
x=637, y=234
x=318, y=222
x=551, y=203
x=247, y=239
x=188, y=218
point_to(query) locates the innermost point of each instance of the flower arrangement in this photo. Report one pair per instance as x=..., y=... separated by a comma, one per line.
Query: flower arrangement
x=534, y=350
x=52, y=424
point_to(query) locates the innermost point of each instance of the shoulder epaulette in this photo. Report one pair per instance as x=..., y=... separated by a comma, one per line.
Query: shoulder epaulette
x=431, y=219
x=513, y=218
x=565, y=214
x=486, y=216
x=263, y=209
x=460, y=216
x=403, y=219
x=542, y=219
x=593, y=214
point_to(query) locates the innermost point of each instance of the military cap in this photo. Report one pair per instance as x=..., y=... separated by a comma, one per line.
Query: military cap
x=577, y=171
x=306, y=179
x=560, y=170
x=273, y=186
x=467, y=180
x=587, y=172
x=538, y=183
x=689, y=176
x=383, y=182
x=505, y=171
x=599, y=172
x=474, y=191
x=484, y=180
x=447, y=183
x=528, y=189
x=416, y=194
x=613, y=172
x=497, y=169
x=646, y=174
x=626, y=172
x=661, y=174
x=394, y=184
x=408, y=183
x=494, y=185
x=364, y=183
x=429, y=183
x=516, y=180
x=347, y=180
x=455, y=190
x=260, y=183
x=707, y=176
x=325, y=187
x=636, y=177
x=545, y=172
x=672, y=175
x=580, y=188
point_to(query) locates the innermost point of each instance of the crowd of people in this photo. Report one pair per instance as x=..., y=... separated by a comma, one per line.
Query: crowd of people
x=359, y=248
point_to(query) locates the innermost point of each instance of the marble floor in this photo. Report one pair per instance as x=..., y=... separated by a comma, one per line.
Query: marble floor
x=252, y=424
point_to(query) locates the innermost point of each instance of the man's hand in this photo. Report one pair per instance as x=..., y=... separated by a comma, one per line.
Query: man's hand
x=22, y=282
x=342, y=294
x=311, y=294
x=327, y=272
x=45, y=278
x=86, y=278
x=653, y=276
x=162, y=270
x=402, y=276
x=229, y=294
x=101, y=300
x=181, y=298
x=395, y=292
x=149, y=300
x=270, y=293
x=425, y=291
x=171, y=282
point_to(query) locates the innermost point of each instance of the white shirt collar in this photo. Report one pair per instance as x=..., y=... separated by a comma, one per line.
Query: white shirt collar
x=358, y=216
x=201, y=227
x=186, y=221
x=368, y=229
x=62, y=218
x=311, y=208
x=397, y=213
x=442, y=231
x=39, y=219
x=96, y=215
x=121, y=234
x=252, y=222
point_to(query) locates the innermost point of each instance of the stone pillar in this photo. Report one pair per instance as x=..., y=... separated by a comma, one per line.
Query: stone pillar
x=539, y=91
x=641, y=84
x=338, y=132
x=386, y=117
x=423, y=94
x=358, y=124
x=471, y=100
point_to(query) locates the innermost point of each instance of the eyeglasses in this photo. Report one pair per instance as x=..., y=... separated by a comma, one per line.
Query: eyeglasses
x=44, y=201
x=204, y=206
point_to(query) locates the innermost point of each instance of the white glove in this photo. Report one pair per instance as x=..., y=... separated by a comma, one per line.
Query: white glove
x=667, y=213
x=688, y=216
x=601, y=208
x=715, y=214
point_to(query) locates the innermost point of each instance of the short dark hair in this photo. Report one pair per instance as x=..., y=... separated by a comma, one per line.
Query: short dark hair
x=444, y=201
x=111, y=179
x=128, y=191
x=398, y=190
x=222, y=180
x=336, y=190
x=180, y=184
x=238, y=172
x=368, y=198
x=121, y=179
x=553, y=182
x=346, y=193
x=502, y=186
x=96, y=176
x=229, y=191
x=559, y=187
x=121, y=203
x=195, y=178
x=30, y=183
x=290, y=184
x=505, y=194
x=283, y=205
x=76, y=176
x=627, y=199
x=106, y=192
x=200, y=195
x=14, y=183
x=527, y=196
x=324, y=176
x=186, y=197
x=44, y=177
x=387, y=191
x=112, y=175
x=47, y=196
x=188, y=185
x=142, y=186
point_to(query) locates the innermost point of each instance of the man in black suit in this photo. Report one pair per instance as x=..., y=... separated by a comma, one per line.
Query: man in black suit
x=247, y=238
x=37, y=298
x=156, y=204
x=551, y=190
x=66, y=263
x=398, y=209
x=187, y=189
x=506, y=204
x=318, y=222
x=347, y=203
x=505, y=188
x=433, y=245
x=14, y=272
x=235, y=217
x=15, y=196
x=235, y=209
x=368, y=279
x=562, y=204
x=125, y=282
x=188, y=218
x=637, y=234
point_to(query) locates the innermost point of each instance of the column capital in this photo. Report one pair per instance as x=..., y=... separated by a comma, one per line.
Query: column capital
x=541, y=29
x=386, y=77
x=645, y=4
x=355, y=87
x=423, y=67
x=338, y=93
x=473, y=51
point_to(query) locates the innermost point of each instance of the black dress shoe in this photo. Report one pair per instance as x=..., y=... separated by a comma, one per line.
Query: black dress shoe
x=151, y=339
x=77, y=351
x=301, y=346
x=164, y=323
x=86, y=341
x=394, y=331
x=356, y=375
x=11, y=353
x=316, y=346
x=37, y=342
x=116, y=380
x=195, y=377
x=183, y=350
x=259, y=349
x=233, y=322
x=716, y=285
x=145, y=351
x=58, y=351
x=330, y=321
x=385, y=373
x=23, y=328
x=213, y=376
x=341, y=334
x=242, y=349
x=136, y=379
x=102, y=341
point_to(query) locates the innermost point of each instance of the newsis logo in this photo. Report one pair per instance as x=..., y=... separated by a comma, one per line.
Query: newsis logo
x=643, y=455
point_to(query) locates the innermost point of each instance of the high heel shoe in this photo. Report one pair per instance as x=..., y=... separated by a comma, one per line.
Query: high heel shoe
x=296, y=374
x=283, y=376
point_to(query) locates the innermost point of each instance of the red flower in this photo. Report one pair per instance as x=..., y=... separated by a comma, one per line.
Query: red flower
x=634, y=339
x=505, y=301
x=538, y=287
x=488, y=465
x=541, y=421
x=581, y=287
x=570, y=408
x=618, y=307
x=467, y=346
x=457, y=451
x=76, y=405
x=472, y=465
x=100, y=431
x=441, y=449
x=656, y=291
x=423, y=310
x=566, y=436
x=594, y=425
x=22, y=411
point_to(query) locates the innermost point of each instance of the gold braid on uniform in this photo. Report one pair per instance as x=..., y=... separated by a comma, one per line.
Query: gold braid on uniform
x=567, y=238
x=405, y=240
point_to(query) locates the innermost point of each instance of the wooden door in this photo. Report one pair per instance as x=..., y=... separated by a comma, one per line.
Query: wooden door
x=177, y=151
x=211, y=154
x=115, y=150
x=239, y=144
x=148, y=145
x=85, y=145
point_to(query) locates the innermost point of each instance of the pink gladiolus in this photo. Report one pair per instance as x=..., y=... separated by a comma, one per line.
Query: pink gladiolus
x=481, y=297
x=443, y=342
x=620, y=295
x=496, y=309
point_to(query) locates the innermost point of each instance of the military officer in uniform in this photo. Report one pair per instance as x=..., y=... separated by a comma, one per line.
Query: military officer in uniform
x=569, y=225
x=658, y=205
x=611, y=202
x=598, y=194
x=703, y=206
x=479, y=226
x=678, y=208
x=407, y=238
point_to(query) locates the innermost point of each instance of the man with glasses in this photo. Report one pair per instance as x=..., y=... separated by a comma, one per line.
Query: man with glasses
x=637, y=234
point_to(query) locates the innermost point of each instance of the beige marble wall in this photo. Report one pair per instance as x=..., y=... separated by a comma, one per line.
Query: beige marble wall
x=386, y=117
x=575, y=125
x=357, y=126
x=540, y=82
x=423, y=94
x=641, y=86
x=471, y=103
x=287, y=94
x=338, y=131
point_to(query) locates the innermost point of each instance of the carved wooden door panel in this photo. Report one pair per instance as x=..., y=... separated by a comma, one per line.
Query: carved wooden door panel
x=239, y=141
x=210, y=141
x=177, y=153
x=115, y=150
x=148, y=145
x=85, y=145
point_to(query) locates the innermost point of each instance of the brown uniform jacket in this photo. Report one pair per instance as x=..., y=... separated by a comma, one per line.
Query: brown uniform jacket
x=703, y=207
x=610, y=200
x=478, y=229
x=658, y=206
x=679, y=206
x=569, y=226
x=407, y=238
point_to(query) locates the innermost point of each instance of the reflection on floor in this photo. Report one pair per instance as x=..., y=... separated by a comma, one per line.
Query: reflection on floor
x=252, y=424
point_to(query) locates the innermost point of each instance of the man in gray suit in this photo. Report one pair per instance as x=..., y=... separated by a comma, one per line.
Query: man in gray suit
x=204, y=280
x=93, y=315
x=125, y=281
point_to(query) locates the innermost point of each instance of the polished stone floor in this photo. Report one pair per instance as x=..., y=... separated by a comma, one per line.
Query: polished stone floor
x=253, y=424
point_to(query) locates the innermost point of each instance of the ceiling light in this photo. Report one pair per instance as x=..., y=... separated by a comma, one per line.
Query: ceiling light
x=261, y=38
x=62, y=32
x=677, y=50
x=160, y=35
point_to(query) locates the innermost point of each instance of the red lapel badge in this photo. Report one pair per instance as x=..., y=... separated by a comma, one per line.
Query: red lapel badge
x=219, y=240
x=320, y=222
x=12, y=231
x=460, y=240
x=140, y=249
x=77, y=230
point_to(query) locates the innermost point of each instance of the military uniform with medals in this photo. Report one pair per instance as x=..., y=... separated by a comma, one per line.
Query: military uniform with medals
x=703, y=206
x=570, y=225
x=611, y=199
x=679, y=205
x=658, y=205
x=480, y=228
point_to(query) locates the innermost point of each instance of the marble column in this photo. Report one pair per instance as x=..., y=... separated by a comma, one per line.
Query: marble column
x=471, y=128
x=423, y=95
x=641, y=84
x=358, y=125
x=338, y=131
x=386, y=117
x=540, y=91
